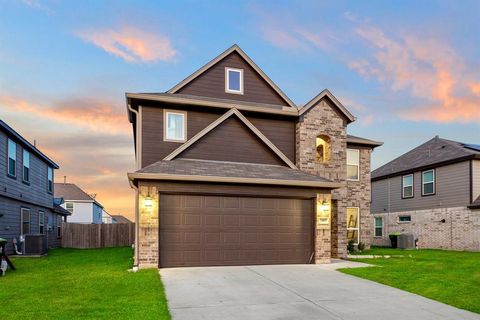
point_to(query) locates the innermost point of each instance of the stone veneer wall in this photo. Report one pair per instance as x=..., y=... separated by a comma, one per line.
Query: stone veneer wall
x=359, y=195
x=324, y=119
x=461, y=230
x=148, y=242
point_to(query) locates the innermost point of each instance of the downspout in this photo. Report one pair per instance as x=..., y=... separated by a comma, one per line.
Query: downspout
x=133, y=186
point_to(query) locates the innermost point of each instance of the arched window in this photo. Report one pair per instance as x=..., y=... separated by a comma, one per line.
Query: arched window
x=323, y=148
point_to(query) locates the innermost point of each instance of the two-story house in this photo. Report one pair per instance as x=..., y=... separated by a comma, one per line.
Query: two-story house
x=433, y=192
x=26, y=191
x=82, y=206
x=231, y=172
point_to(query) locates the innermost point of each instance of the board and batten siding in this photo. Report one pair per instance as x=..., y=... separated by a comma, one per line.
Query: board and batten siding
x=452, y=190
x=34, y=192
x=475, y=179
x=280, y=131
x=211, y=83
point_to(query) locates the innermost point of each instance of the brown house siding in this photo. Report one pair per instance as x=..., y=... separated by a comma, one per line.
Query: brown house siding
x=280, y=131
x=232, y=141
x=212, y=83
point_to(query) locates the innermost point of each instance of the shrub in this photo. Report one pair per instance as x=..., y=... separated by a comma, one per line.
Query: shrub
x=351, y=246
x=361, y=246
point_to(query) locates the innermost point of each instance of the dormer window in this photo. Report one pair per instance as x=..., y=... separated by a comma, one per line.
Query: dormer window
x=234, y=80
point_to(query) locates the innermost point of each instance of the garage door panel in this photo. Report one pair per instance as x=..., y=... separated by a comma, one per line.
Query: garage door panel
x=218, y=230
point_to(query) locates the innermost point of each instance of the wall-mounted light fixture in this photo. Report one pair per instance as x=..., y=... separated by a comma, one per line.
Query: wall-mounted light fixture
x=323, y=212
x=148, y=202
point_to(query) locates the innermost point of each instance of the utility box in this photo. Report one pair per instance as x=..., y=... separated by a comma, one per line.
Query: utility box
x=406, y=241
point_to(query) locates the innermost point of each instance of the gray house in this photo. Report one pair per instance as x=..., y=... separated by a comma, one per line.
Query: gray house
x=432, y=191
x=27, y=205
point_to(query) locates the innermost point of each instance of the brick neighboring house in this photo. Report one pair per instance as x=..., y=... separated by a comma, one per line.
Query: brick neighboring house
x=231, y=172
x=432, y=191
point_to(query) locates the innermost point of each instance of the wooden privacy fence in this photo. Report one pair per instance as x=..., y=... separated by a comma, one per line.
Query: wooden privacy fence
x=84, y=236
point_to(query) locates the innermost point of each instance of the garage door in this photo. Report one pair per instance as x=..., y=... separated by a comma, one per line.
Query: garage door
x=197, y=230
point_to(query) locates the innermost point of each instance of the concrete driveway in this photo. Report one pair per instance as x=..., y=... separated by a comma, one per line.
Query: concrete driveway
x=292, y=292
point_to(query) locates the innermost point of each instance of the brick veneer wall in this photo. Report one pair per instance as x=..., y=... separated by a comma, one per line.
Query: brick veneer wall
x=324, y=119
x=359, y=195
x=148, y=228
x=461, y=230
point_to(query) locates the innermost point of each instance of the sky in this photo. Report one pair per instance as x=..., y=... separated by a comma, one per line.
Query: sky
x=408, y=70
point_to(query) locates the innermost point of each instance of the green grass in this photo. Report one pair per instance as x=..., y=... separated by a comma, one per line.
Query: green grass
x=451, y=277
x=87, y=284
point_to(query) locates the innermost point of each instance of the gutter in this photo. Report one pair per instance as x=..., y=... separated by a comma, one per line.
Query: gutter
x=137, y=227
x=220, y=179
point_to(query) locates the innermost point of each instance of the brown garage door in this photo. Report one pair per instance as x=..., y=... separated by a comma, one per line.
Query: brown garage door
x=198, y=230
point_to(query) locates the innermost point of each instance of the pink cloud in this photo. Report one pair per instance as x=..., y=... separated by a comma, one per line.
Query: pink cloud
x=426, y=68
x=88, y=113
x=131, y=44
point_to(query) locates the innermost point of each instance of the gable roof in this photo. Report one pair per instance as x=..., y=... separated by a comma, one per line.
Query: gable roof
x=220, y=120
x=230, y=172
x=70, y=191
x=237, y=49
x=27, y=145
x=338, y=104
x=434, y=152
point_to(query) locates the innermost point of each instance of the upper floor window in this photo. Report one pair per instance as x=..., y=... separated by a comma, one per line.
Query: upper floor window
x=50, y=179
x=175, y=126
x=323, y=148
x=234, y=80
x=69, y=207
x=428, y=182
x=26, y=166
x=353, y=164
x=407, y=186
x=25, y=223
x=12, y=158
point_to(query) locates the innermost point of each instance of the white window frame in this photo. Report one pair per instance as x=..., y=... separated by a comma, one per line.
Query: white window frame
x=354, y=164
x=227, y=80
x=432, y=182
x=375, y=227
x=412, y=185
x=10, y=141
x=41, y=222
x=404, y=215
x=22, y=210
x=25, y=152
x=73, y=206
x=165, y=127
x=358, y=224
x=49, y=181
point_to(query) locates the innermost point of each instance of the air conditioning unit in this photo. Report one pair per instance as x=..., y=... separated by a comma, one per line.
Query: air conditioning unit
x=35, y=244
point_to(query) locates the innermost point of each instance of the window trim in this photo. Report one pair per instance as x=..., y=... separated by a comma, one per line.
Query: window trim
x=434, y=182
x=357, y=228
x=357, y=165
x=404, y=215
x=49, y=186
x=14, y=175
x=166, y=112
x=413, y=186
x=23, y=166
x=227, y=80
x=22, y=209
x=375, y=227
x=41, y=222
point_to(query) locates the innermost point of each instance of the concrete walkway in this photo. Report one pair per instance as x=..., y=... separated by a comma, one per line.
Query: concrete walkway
x=292, y=292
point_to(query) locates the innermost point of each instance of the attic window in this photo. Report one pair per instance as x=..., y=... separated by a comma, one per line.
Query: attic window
x=323, y=148
x=234, y=80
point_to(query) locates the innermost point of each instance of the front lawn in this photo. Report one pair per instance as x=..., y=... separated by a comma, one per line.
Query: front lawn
x=451, y=277
x=87, y=284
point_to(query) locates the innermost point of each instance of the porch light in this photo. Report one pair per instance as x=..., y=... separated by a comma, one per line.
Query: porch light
x=325, y=206
x=148, y=202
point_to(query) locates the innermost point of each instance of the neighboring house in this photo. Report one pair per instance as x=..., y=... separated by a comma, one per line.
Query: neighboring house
x=433, y=192
x=121, y=219
x=107, y=218
x=26, y=191
x=83, y=207
x=231, y=172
